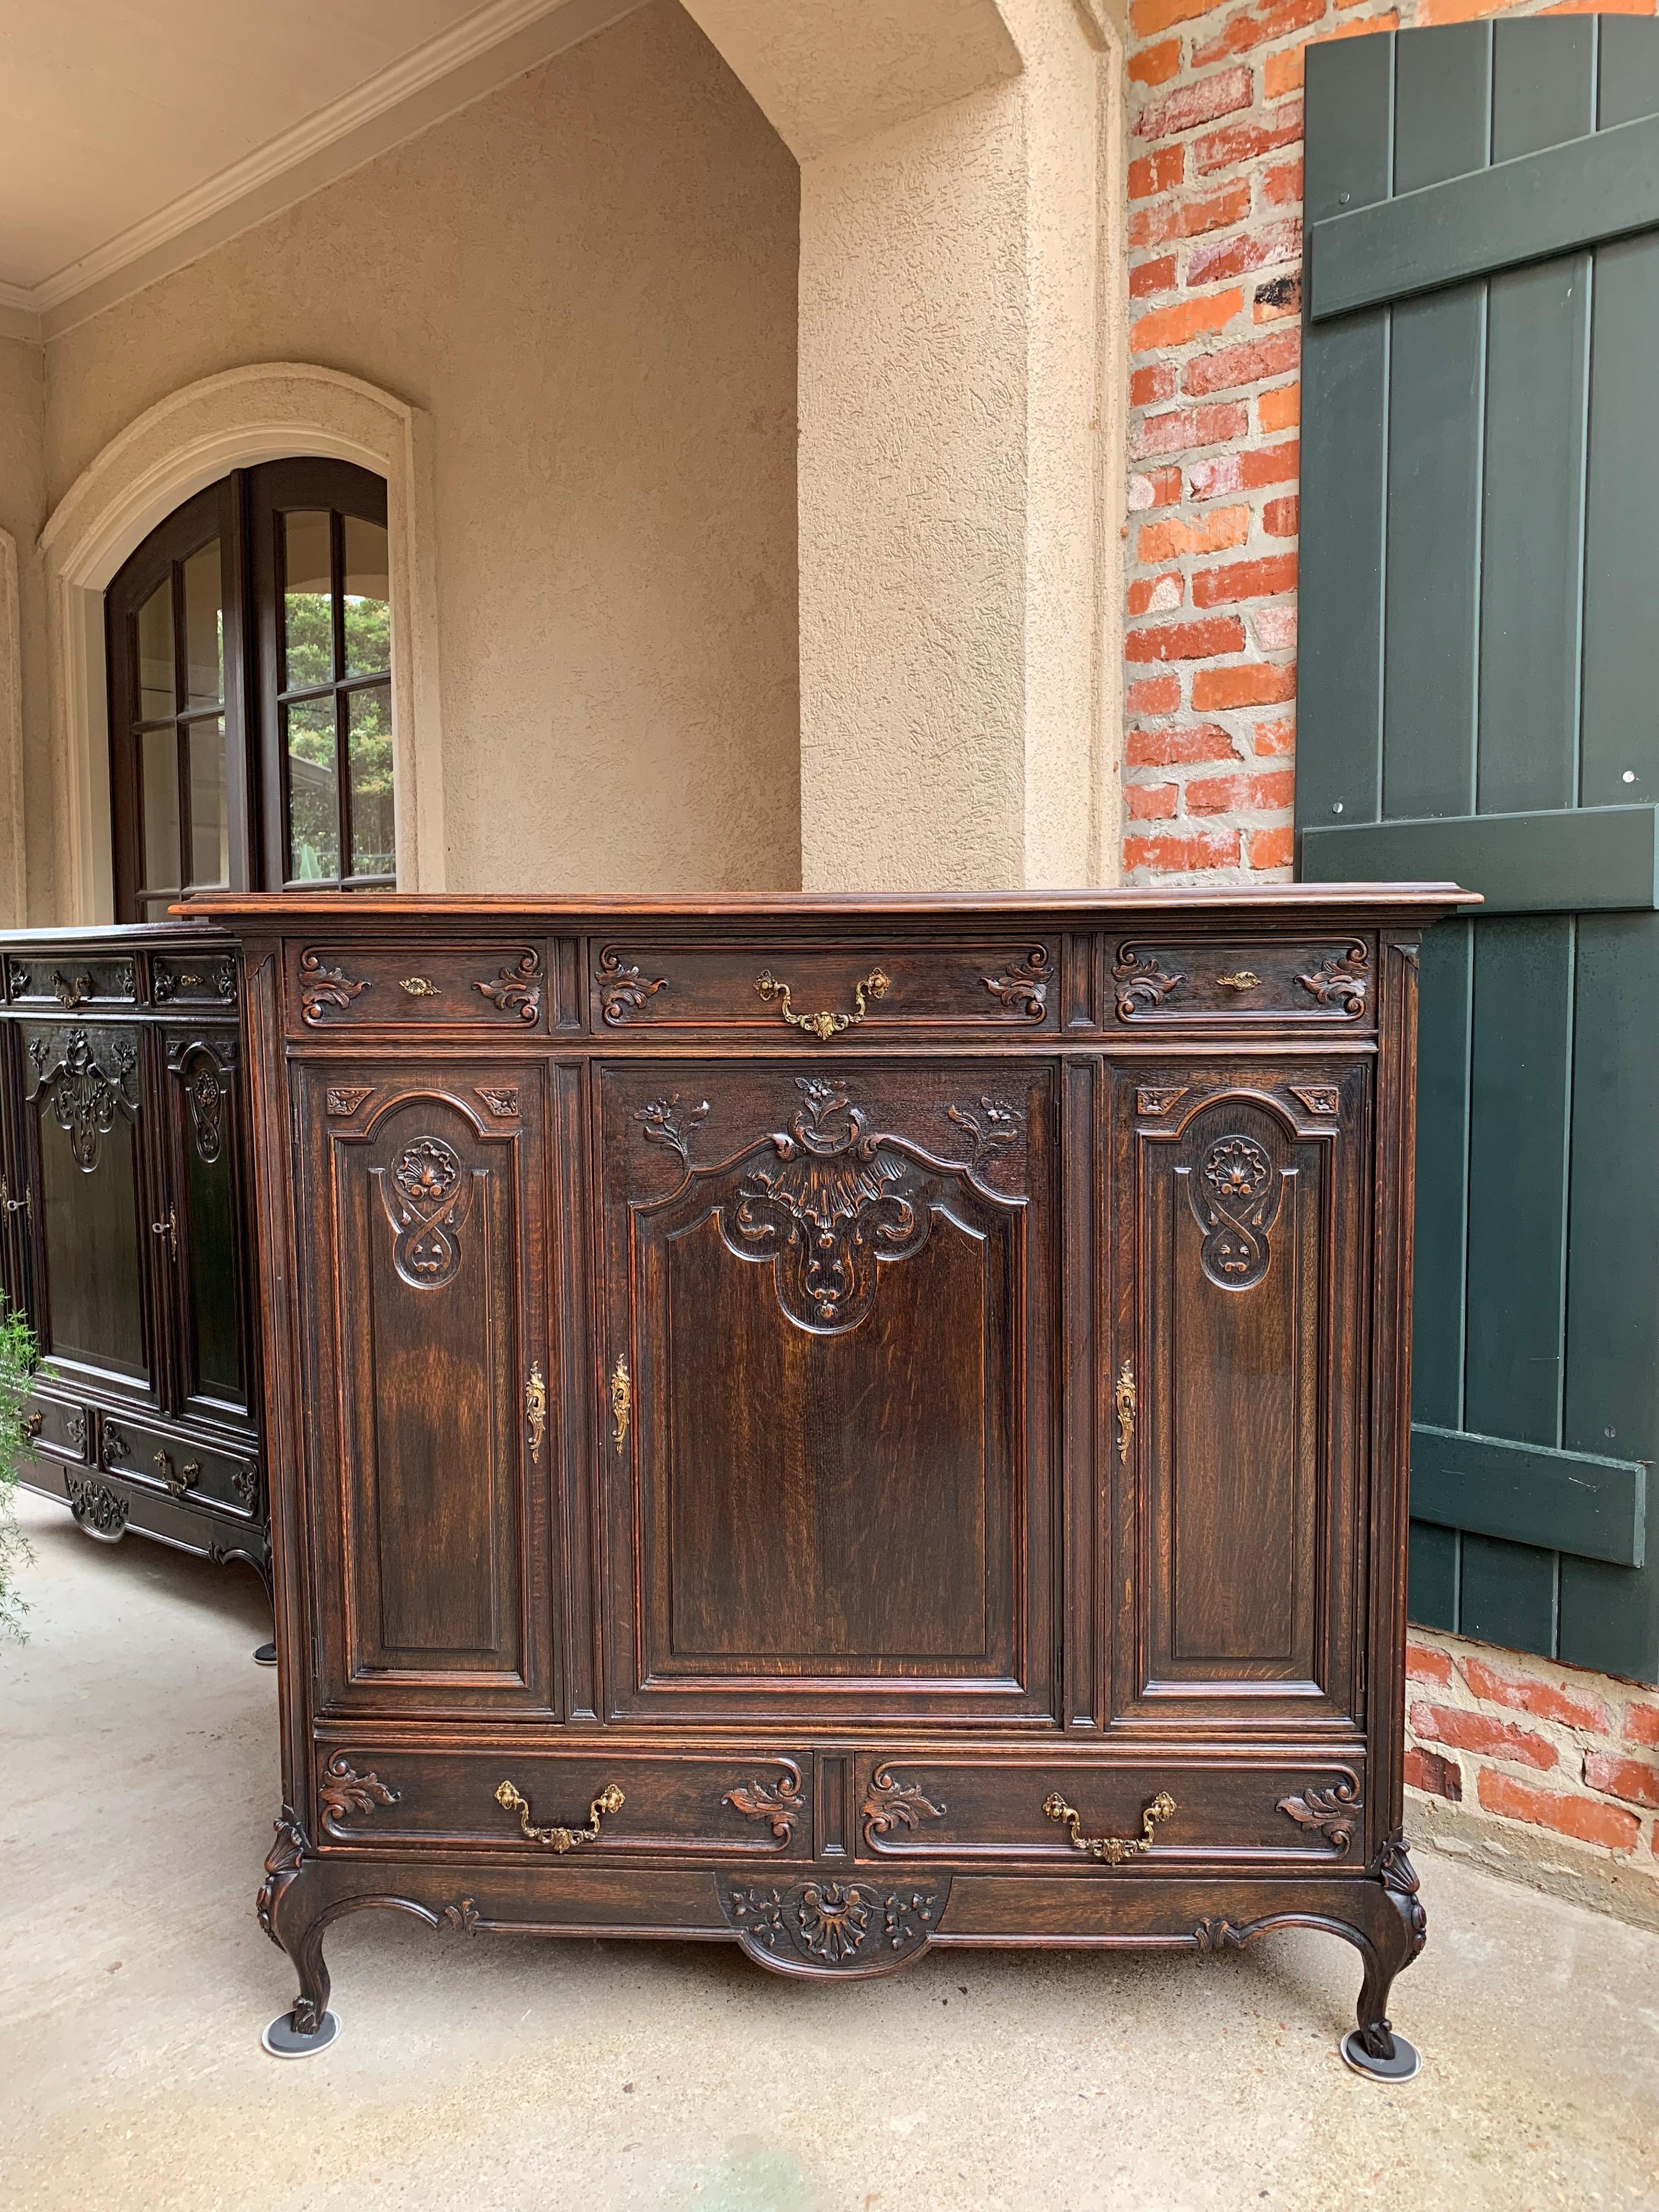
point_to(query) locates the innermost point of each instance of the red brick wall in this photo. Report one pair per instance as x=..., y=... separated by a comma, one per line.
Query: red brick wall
x=1215, y=243
x=1546, y=1750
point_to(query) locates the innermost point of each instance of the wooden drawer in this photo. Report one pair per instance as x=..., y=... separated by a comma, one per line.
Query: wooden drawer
x=500, y=984
x=1156, y=981
x=1245, y=1807
x=181, y=1465
x=207, y=978
x=867, y=988
x=727, y=1804
x=52, y=1425
x=69, y=980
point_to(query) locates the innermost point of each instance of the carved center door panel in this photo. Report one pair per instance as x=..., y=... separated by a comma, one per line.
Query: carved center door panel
x=208, y=1230
x=97, y=1240
x=1242, y=1258
x=427, y=1385
x=827, y=1442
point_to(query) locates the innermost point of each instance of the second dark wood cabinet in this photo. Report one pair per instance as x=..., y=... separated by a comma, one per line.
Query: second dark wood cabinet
x=847, y=1427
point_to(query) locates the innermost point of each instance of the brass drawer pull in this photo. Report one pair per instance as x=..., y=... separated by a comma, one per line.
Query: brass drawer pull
x=824, y=1025
x=32, y=1424
x=609, y=1800
x=178, y=1484
x=1245, y=980
x=1113, y=1849
x=622, y=1401
x=418, y=987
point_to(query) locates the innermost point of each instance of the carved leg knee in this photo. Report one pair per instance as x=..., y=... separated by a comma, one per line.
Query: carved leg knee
x=1372, y=2047
x=285, y=1907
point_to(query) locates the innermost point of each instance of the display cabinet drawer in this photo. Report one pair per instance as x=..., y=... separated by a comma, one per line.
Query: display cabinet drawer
x=69, y=980
x=52, y=1425
x=500, y=984
x=1158, y=1812
x=163, y=1459
x=207, y=978
x=863, y=989
x=548, y=1803
x=1166, y=980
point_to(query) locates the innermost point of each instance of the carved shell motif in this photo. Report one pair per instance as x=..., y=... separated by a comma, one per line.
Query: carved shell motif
x=426, y=1197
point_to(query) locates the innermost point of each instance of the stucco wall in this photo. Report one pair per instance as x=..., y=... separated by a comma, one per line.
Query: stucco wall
x=22, y=647
x=589, y=279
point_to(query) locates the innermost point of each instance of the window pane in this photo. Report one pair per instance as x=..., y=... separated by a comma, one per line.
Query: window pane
x=368, y=611
x=313, y=815
x=155, y=653
x=204, y=627
x=369, y=764
x=209, y=811
x=158, y=771
x=308, y=607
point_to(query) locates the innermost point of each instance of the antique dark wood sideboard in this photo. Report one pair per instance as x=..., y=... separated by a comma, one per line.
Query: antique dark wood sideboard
x=123, y=1236
x=842, y=1425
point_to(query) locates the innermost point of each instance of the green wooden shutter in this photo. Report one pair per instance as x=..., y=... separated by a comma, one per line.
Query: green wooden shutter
x=1479, y=698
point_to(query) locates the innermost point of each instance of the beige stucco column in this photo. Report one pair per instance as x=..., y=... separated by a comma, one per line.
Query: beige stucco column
x=960, y=421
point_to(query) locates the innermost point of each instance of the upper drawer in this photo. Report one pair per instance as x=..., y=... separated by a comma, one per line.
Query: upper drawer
x=501, y=983
x=183, y=1466
x=1328, y=980
x=69, y=980
x=885, y=992
x=51, y=1426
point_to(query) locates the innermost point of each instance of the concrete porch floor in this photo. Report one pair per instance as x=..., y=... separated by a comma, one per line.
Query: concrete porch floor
x=139, y=1757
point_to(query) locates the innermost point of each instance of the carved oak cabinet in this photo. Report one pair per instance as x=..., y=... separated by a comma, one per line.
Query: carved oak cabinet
x=123, y=1235
x=840, y=1426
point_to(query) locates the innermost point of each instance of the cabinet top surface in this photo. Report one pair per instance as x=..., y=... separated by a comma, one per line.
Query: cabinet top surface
x=1423, y=902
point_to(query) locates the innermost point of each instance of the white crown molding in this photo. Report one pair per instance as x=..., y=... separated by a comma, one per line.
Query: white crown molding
x=500, y=42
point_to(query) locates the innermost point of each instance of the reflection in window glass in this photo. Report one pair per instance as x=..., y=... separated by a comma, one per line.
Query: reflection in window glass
x=204, y=627
x=314, y=816
x=367, y=608
x=158, y=769
x=209, y=811
x=369, y=756
x=307, y=604
x=155, y=653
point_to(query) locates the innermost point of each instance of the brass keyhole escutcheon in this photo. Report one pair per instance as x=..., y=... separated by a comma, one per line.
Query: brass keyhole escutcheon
x=1245, y=979
x=622, y=1401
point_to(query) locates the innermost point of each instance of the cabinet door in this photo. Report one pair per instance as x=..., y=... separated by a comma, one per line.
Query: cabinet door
x=16, y=1196
x=94, y=1238
x=826, y=1368
x=425, y=1384
x=202, y=1142
x=1241, y=1250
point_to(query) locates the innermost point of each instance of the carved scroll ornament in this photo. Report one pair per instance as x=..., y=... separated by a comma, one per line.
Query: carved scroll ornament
x=322, y=988
x=1234, y=1196
x=780, y=1802
x=834, y=1927
x=1343, y=981
x=1022, y=986
x=84, y=1094
x=516, y=990
x=622, y=989
x=426, y=1195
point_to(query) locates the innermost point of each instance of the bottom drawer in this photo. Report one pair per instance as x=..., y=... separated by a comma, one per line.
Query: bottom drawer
x=724, y=1803
x=1160, y=1812
x=180, y=1464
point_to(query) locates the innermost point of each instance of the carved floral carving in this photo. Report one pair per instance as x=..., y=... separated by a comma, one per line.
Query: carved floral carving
x=666, y=1121
x=95, y=1507
x=207, y=1110
x=282, y=1860
x=426, y=1197
x=779, y=1802
x=1155, y=1099
x=463, y=1916
x=343, y=1791
x=622, y=989
x=890, y=1804
x=1335, y=1812
x=1234, y=1198
x=503, y=1104
x=75, y=1429
x=1317, y=1097
x=83, y=1094
x=344, y=1098
x=322, y=988
x=1022, y=987
x=1344, y=981
x=834, y=1927
x=516, y=990
x=1212, y=1936
x=1139, y=983
x=245, y=1483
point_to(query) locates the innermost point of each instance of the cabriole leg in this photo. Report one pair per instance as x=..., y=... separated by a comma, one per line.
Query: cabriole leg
x=310, y=2027
x=1372, y=2047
